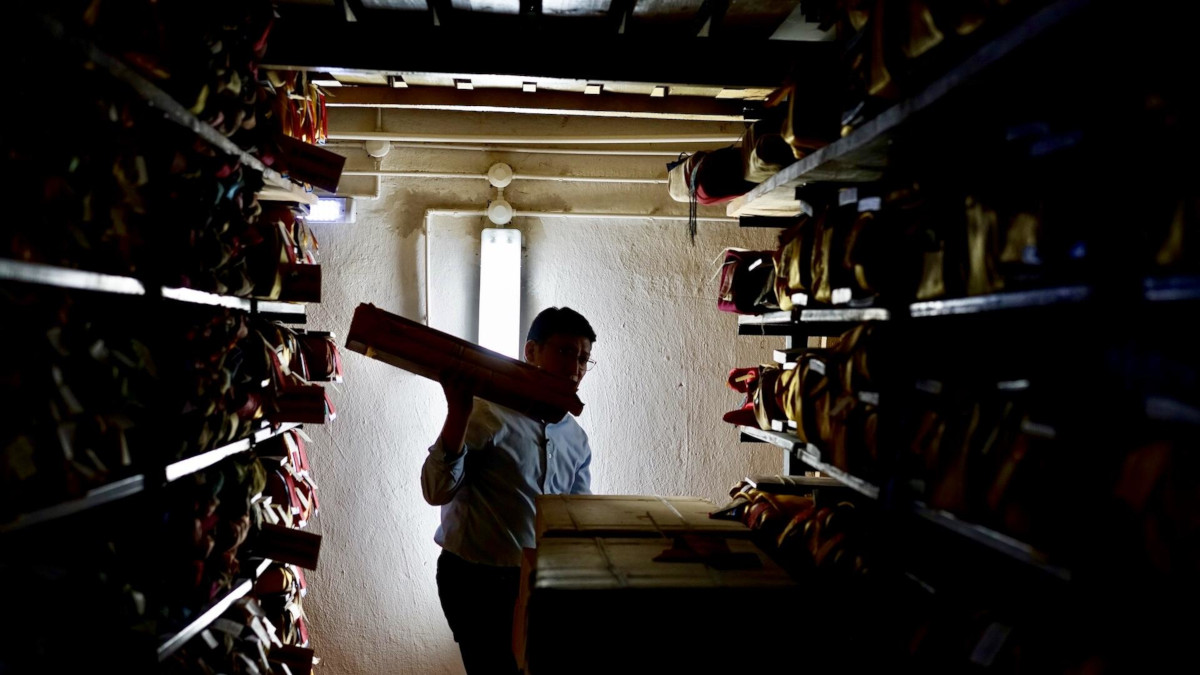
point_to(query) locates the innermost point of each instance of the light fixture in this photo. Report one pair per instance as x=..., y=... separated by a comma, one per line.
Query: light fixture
x=529, y=87
x=397, y=82
x=499, y=211
x=332, y=210
x=377, y=149
x=463, y=84
x=500, y=290
x=593, y=89
x=658, y=92
x=500, y=175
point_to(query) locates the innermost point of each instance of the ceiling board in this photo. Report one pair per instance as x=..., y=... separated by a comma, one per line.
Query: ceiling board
x=667, y=9
x=408, y=5
x=755, y=19
x=576, y=7
x=487, y=6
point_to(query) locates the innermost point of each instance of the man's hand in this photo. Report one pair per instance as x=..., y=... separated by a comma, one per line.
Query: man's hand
x=459, y=386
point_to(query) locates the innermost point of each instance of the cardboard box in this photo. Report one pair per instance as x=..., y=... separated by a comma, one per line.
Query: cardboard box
x=430, y=352
x=605, y=605
x=629, y=516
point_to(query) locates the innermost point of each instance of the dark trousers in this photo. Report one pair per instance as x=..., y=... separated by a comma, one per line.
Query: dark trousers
x=478, y=601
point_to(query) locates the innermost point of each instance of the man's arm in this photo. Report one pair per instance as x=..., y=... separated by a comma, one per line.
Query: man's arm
x=442, y=473
x=582, y=484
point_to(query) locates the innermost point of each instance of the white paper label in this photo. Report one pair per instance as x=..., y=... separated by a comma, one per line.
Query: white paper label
x=930, y=386
x=990, y=644
x=870, y=204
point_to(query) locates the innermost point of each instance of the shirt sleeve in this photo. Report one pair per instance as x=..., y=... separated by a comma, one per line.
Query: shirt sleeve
x=582, y=484
x=440, y=476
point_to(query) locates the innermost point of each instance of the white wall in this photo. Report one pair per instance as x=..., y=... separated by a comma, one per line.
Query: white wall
x=654, y=403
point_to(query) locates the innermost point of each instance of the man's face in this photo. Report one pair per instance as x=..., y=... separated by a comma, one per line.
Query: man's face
x=565, y=355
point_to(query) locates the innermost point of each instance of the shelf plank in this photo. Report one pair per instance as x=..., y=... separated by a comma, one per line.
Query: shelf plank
x=63, y=277
x=783, y=440
x=183, y=467
x=863, y=154
x=281, y=187
x=771, y=323
x=805, y=319
x=287, y=312
x=135, y=484
x=1001, y=301
x=844, y=315
x=1172, y=289
x=203, y=298
x=170, y=644
x=95, y=497
x=782, y=356
x=996, y=541
x=1013, y=548
x=810, y=455
x=1166, y=409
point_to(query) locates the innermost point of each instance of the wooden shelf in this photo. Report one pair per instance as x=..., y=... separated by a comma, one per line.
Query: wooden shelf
x=280, y=187
x=996, y=541
x=62, y=277
x=1171, y=289
x=132, y=485
x=810, y=455
x=806, y=320
x=862, y=156
x=1010, y=547
x=95, y=497
x=170, y=644
x=184, y=467
x=1063, y=295
x=771, y=323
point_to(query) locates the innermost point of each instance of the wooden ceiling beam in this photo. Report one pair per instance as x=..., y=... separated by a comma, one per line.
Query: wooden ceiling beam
x=564, y=47
x=712, y=12
x=544, y=102
x=619, y=12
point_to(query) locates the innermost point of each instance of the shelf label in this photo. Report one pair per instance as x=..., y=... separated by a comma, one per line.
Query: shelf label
x=847, y=196
x=227, y=626
x=1039, y=430
x=929, y=386
x=870, y=204
x=871, y=397
x=990, y=644
x=841, y=296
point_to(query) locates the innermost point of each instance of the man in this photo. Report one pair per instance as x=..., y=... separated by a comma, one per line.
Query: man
x=485, y=471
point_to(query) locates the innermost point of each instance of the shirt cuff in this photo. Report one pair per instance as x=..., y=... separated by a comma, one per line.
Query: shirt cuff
x=438, y=452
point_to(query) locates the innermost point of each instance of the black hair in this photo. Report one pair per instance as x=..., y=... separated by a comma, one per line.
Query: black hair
x=559, y=320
